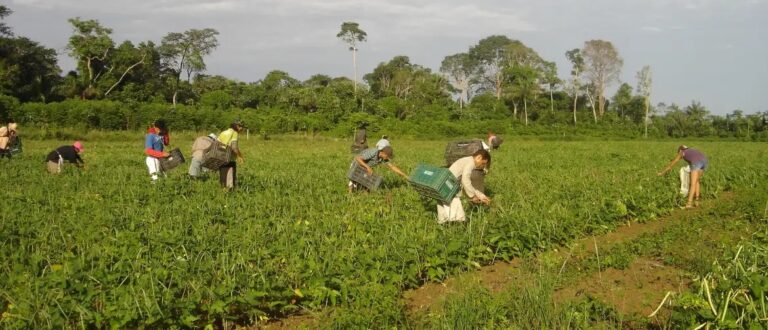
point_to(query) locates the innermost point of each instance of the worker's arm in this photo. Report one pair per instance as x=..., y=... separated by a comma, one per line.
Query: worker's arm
x=674, y=161
x=397, y=170
x=154, y=153
x=362, y=163
x=236, y=150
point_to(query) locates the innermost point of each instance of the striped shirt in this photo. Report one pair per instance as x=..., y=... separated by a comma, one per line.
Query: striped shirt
x=371, y=157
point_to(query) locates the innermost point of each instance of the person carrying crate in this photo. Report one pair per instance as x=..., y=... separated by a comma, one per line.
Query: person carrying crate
x=199, y=147
x=371, y=157
x=156, y=139
x=462, y=169
x=228, y=171
x=56, y=158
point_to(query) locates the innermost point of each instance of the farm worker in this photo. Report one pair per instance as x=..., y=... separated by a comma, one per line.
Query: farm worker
x=384, y=142
x=698, y=163
x=493, y=140
x=371, y=157
x=199, y=147
x=463, y=169
x=157, y=137
x=55, y=159
x=8, y=135
x=361, y=138
x=228, y=171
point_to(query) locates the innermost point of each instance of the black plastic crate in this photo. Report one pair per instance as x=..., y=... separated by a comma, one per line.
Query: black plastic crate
x=460, y=149
x=172, y=161
x=359, y=175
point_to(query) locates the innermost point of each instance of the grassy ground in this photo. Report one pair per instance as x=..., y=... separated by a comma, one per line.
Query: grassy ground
x=104, y=247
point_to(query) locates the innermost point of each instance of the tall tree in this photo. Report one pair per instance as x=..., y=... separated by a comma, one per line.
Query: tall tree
x=90, y=45
x=5, y=30
x=184, y=52
x=28, y=71
x=644, y=84
x=459, y=71
x=603, y=66
x=549, y=77
x=622, y=99
x=352, y=35
x=489, y=54
x=577, y=68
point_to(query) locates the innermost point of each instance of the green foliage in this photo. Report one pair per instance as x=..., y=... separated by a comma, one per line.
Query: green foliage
x=104, y=248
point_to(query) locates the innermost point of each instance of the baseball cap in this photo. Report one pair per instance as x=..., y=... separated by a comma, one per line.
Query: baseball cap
x=78, y=146
x=682, y=147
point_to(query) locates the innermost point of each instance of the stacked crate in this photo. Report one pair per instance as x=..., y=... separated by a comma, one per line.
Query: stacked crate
x=461, y=149
x=434, y=182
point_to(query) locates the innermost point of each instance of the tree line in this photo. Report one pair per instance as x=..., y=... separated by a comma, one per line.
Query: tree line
x=498, y=82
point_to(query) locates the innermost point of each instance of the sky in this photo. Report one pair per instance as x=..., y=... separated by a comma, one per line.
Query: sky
x=711, y=51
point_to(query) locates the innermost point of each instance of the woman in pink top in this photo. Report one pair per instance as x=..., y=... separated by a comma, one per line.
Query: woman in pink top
x=698, y=163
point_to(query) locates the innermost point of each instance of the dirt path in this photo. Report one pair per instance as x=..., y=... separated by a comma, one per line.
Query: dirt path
x=502, y=275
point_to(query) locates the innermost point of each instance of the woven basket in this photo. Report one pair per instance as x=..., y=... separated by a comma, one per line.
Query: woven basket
x=217, y=155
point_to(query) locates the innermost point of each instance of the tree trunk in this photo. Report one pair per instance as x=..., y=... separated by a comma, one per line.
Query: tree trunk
x=592, y=103
x=575, y=101
x=354, y=65
x=525, y=110
x=601, y=99
x=551, y=100
x=647, y=101
x=498, y=86
x=514, y=109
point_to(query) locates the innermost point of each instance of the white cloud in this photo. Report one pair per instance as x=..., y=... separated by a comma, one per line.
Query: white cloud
x=652, y=29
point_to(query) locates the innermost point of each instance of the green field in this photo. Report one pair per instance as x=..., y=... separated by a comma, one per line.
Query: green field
x=105, y=248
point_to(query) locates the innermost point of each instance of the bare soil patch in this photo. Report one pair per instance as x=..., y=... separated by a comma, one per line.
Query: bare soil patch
x=636, y=290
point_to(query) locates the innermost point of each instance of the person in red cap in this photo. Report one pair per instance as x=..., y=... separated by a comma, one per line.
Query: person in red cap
x=157, y=137
x=55, y=159
x=698, y=163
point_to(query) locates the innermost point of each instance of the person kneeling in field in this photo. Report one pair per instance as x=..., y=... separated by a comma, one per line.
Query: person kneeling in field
x=698, y=163
x=8, y=134
x=199, y=147
x=157, y=137
x=462, y=169
x=55, y=159
x=371, y=157
x=228, y=171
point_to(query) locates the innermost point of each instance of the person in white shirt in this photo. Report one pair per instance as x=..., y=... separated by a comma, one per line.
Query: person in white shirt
x=463, y=169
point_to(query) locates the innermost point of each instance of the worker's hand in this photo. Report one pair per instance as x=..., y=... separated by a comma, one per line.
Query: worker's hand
x=369, y=170
x=166, y=154
x=240, y=159
x=661, y=173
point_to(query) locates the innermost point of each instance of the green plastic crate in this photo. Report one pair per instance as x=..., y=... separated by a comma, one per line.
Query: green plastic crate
x=434, y=182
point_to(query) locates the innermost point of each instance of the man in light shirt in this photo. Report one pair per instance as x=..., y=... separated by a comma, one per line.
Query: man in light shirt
x=462, y=169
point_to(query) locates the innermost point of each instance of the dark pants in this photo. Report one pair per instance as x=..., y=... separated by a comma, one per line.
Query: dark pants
x=228, y=175
x=5, y=153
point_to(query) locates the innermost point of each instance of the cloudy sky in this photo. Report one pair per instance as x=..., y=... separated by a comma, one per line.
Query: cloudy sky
x=713, y=51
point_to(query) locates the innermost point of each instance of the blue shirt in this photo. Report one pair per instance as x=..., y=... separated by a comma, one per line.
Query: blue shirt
x=154, y=142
